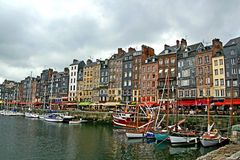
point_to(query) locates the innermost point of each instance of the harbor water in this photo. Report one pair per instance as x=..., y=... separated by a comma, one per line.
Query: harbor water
x=33, y=139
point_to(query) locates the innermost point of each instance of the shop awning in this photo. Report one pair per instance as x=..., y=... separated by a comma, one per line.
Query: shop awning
x=84, y=103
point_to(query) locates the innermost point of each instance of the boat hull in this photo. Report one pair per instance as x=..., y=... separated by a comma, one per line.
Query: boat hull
x=181, y=140
x=161, y=136
x=135, y=135
x=209, y=142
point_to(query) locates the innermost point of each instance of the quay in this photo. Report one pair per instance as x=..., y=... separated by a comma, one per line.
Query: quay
x=228, y=152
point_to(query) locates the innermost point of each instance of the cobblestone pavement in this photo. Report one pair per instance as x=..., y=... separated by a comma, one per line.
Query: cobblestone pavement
x=228, y=152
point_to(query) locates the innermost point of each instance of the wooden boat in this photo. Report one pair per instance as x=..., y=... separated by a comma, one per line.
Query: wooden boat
x=211, y=138
x=77, y=121
x=122, y=119
x=138, y=133
x=184, y=138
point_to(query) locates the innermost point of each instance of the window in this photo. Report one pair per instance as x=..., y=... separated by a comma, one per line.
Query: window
x=217, y=93
x=153, y=76
x=136, y=68
x=216, y=82
x=234, y=82
x=216, y=71
x=185, y=82
x=186, y=73
x=222, y=92
x=232, y=52
x=193, y=93
x=200, y=60
x=215, y=62
x=172, y=60
x=135, y=76
x=180, y=64
x=125, y=83
x=125, y=74
x=166, y=61
x=130, y=65
x=200, y=92
x=234, y=71
x=221, y=82
x=220, y=61
x=185, y=54
x=160, y=61
x=207, y=80
x=232, y=61
x=130, y=74
x=129, y=83
x=221, y=70
x=153, y=68
x=187, y=93
x=148, y=68
x=180, y=93
x=126, y=66
x=206, y=59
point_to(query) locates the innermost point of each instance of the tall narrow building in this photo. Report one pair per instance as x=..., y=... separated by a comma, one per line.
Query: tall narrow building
x=186, y=69
x=167, y=67
x=127, y=64
x=75, y=70
x=139, y=58
x=205, y=71
x=115, y=76
x=232, y=67
x=149, y=78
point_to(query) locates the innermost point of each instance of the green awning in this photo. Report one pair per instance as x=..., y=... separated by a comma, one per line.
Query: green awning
x=84, y=103
x=236, y=128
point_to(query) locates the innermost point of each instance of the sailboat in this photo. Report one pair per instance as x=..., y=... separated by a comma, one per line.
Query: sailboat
x=29, y=114
x=212, y=137
x=138, y=131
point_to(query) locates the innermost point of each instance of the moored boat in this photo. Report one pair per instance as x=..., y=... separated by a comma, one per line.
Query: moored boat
x=31, y=115
x=54, y=118
x=184, y=138
x=209, y=139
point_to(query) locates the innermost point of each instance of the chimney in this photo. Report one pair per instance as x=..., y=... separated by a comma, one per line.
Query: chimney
x=130, y=49
x=183, y=43
x=177, y=43
x=121, y=51
x=166, y=46
x=216, y=46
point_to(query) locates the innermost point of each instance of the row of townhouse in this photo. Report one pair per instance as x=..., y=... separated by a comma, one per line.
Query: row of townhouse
x=184, y=72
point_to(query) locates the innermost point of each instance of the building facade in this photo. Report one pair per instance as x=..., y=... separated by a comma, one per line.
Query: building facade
x=104, y=79
x=232, y=67
x=115, y=77
x=149, y=79
x=167, y=62
x=127, y=63
x=186, y=70
x=205, y=72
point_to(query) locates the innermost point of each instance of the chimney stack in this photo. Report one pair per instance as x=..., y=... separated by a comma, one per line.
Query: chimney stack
x=121, y=51
x=183, y=43
x=177, y=43
x=130, y=49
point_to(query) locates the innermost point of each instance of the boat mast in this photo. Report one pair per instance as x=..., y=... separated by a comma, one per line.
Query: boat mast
x=231, y=106
x=168, y=100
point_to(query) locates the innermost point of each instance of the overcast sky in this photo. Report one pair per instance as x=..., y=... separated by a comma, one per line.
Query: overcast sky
x=41, y=34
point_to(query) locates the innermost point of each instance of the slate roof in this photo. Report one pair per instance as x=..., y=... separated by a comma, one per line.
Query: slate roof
x=233, y=41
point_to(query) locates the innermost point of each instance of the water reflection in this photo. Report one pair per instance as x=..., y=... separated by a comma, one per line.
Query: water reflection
x=35, y=139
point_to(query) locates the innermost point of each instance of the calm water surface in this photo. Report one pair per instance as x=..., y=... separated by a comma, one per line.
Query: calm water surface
x=33, y=139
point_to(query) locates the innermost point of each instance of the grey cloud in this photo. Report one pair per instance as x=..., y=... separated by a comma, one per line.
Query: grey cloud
x=28, y=40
